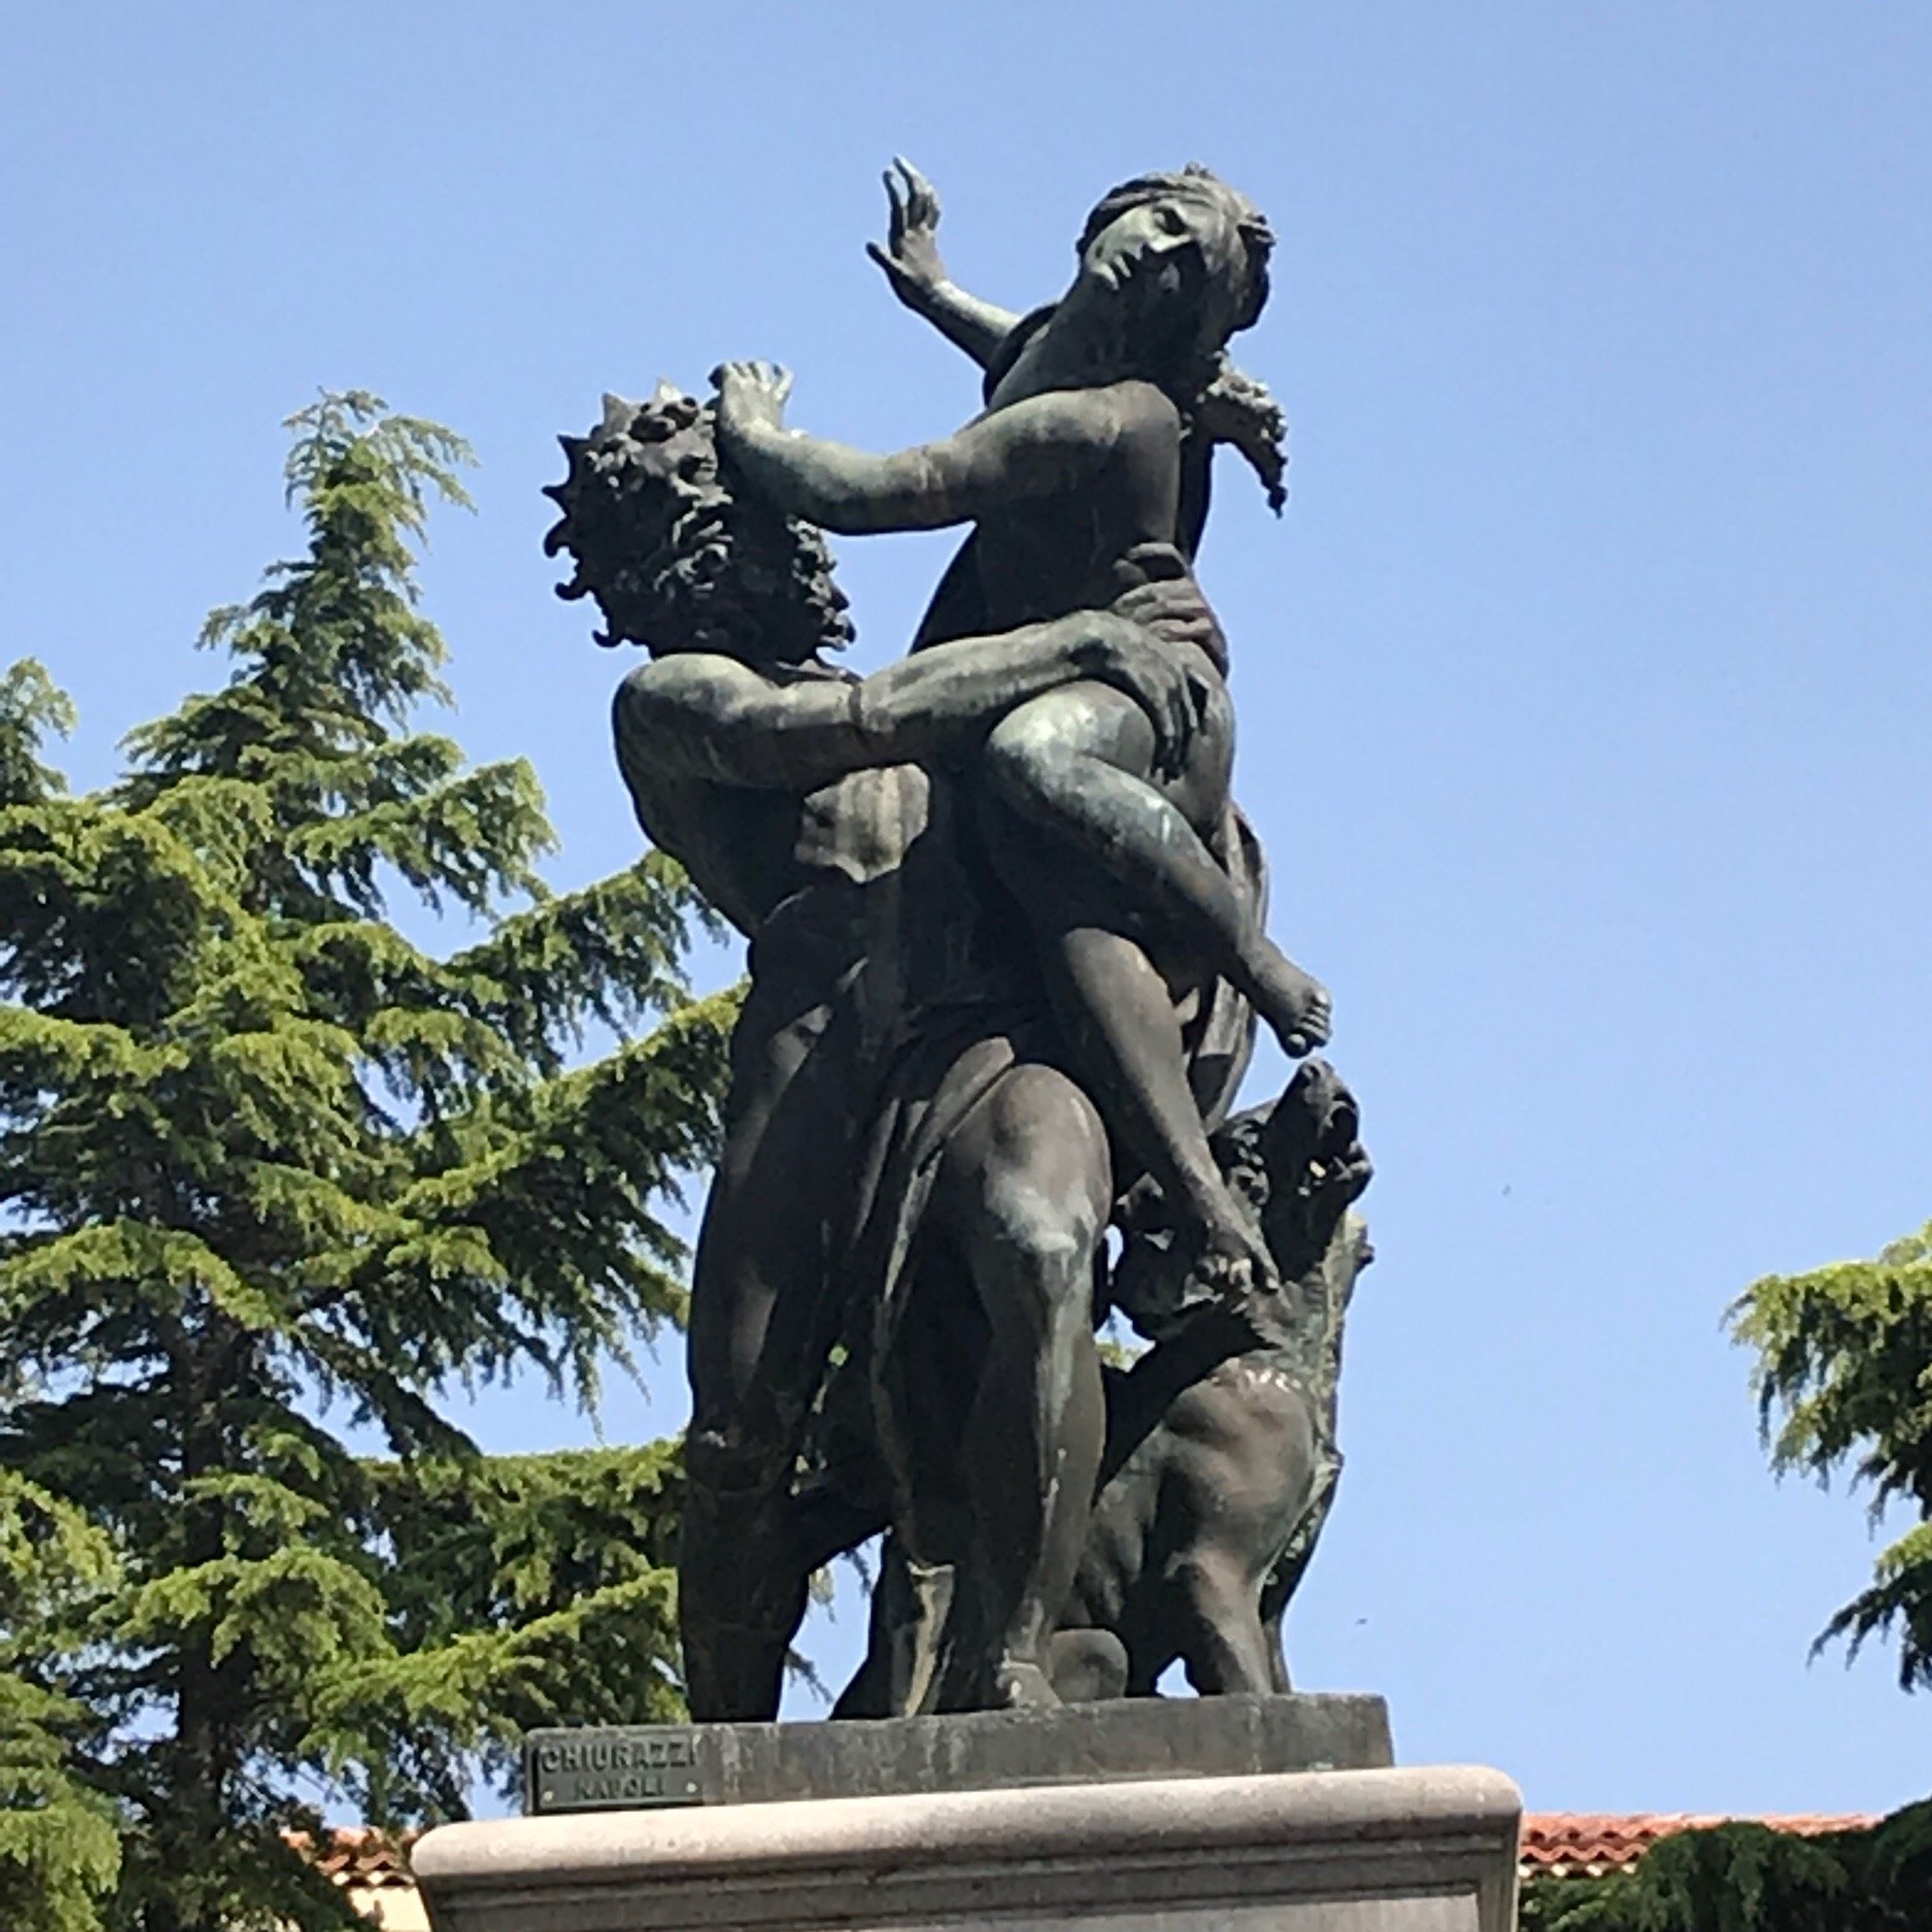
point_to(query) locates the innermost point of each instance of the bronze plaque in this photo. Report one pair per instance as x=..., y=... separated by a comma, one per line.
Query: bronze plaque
x=616, y=1769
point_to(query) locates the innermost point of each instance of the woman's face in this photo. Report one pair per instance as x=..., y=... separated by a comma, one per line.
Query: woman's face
x=1167, y=254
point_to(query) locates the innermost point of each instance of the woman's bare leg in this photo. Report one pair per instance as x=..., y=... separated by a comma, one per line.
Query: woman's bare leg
x=1074, y=764
x=1118, y=1016
x=1078, y=764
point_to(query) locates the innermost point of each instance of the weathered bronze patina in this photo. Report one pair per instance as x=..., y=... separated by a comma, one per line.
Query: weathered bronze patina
x=1008, y=955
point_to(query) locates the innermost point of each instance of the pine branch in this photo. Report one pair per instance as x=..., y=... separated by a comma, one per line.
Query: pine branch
x=1843, y=1380
x=32, y=709
x=269, y=1171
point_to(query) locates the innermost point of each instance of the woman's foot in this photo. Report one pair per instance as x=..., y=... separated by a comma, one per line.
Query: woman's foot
x=1295, y=1003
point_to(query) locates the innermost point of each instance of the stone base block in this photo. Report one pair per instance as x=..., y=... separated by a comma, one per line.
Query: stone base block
x=1411, y=1850
x=624, y=1769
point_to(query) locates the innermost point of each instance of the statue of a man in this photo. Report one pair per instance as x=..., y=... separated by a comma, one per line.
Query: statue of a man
x=804, y=803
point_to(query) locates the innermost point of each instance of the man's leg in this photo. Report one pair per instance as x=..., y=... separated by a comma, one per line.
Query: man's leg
x=1024, y=1197
x=762, y=1326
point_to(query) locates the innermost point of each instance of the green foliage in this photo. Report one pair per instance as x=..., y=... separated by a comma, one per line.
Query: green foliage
x=31, y=707
x=267, y=1169
x=1747, y=1877
x=60, y=1853
x=1843, y=1380
x=540, y=1590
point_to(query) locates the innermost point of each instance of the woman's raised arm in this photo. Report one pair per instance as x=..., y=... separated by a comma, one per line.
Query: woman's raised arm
x=910, y=259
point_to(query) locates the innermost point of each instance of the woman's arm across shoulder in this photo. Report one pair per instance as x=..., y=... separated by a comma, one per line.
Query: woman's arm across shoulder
x=1048, y=446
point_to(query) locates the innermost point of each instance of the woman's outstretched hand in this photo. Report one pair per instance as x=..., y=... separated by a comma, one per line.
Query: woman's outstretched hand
x=751, y=396
x=910, y=256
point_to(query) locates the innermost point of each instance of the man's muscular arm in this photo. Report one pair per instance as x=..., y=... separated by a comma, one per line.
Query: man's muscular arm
x=712, y=718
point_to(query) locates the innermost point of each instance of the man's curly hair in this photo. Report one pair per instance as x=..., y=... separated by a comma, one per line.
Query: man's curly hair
x=677, y=555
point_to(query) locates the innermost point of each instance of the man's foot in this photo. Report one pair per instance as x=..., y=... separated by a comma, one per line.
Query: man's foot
x=1089, y=1666
x=1295, y=1003
x=1018, y=1685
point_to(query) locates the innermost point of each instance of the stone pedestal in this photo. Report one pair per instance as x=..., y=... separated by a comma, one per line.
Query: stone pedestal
x=1429, y=1849
x=622, y=1768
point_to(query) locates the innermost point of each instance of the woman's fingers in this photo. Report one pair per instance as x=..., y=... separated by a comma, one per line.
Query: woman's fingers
x=922, y=200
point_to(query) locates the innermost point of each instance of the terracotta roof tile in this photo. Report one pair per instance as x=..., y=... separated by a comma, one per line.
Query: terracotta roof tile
x=1565, y=1844
x=359, y=1857
x=373, y=1869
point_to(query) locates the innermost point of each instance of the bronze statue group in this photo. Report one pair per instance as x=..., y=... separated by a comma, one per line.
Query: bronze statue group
x=1007, y=956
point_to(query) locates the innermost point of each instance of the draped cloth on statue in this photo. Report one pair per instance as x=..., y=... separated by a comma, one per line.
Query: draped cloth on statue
x=956, y=1053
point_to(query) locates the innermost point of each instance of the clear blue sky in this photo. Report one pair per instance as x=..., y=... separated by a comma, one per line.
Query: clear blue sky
x=1584, y=686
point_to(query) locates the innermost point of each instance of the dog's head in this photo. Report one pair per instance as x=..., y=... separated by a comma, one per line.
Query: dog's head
x=1297, y=1165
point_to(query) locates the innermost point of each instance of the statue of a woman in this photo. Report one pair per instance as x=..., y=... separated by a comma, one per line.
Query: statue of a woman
x=1089, y=452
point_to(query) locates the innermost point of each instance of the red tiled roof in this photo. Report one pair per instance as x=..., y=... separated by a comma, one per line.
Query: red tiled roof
x=358, y=1856
x=1567, y=1844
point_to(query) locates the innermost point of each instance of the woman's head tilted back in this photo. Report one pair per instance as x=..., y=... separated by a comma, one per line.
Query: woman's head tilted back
x=1189, y=256
x=1170, y=266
